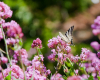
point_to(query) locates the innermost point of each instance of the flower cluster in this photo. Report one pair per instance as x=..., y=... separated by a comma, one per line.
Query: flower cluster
x=38, y=68
x=5, y=11
x=16, y=72
x=11, y=41
x=60, y=49
x=37, y=43
x=75, y=67
x=61, y=53
x=13, y=29
x=96, y=26
x=22, y=54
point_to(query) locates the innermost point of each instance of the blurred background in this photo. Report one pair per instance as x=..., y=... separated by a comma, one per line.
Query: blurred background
x=45, y=18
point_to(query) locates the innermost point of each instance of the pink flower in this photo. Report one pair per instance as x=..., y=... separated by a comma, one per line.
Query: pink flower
x=96, y=31
x=85, y=54
x=1, y=76
x=14, y=30
x=22, y=53
x=68, y=49
x=75, y=58
x=5, y=11
x=1, y=36
x=17, y=72
x=95, y=45
x=54, y=41
x=48, y=72
x=2, y=21
x=6, y=72
x=57, y=77
x=74, y=78
x=51, y=57
x=4, y=59
x=12, y=41
x=37, y=43
x=98, y=54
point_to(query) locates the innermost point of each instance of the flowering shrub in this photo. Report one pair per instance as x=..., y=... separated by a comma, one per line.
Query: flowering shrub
x=85, y=66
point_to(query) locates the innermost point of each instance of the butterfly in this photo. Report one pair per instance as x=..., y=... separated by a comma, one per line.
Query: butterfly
x=68, y=36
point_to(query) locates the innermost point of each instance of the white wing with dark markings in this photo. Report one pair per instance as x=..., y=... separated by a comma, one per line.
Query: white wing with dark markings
x=68, y=35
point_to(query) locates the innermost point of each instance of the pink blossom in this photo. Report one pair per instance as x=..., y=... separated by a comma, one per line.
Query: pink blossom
x=96, y=32
x=74, y=78
x=4, y=59
x=85, y=54
x=95, y=45
x=96, y=26
x=41, y=57
x=51, y=57
x=6, y=72
x=1, y=36
x=98, y=54
x=37, y=43
x=75, y=58
x=54, y=41
x=68, y=49
x=14, y=30
x=17, y=72
x=6, y=24
x=13, y=62
x=5, y=11
x=37, y=74
x=57, y=77
x=48, y=72
x=11, y=41
x=22, y=53
x=2, y=21
x=1, y=76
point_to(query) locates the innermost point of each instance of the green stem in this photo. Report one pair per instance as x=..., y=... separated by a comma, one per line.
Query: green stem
x=5, y=45
x=71, y=63
x=23, y=68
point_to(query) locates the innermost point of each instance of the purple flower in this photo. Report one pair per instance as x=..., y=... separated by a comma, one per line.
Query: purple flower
x=68, y=49
x=57, y=77
x=2, y=21
x=98, y=54
x=96, y=26
x=95, y=45
x=12, y=41
x=14, y=30
x=17, y=72
x=37, y=43
x=54, y=41
x=96, y=31
x=74, y=78
x=4, y=59
x=5, y=11
x=6, y=72
x=85, y=54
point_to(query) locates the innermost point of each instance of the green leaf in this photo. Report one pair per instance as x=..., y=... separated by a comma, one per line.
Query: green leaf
x=9, y=76
x=90, y=78
x=64, y=77
x=98, y=77
x=39, y=51
x=20, y=42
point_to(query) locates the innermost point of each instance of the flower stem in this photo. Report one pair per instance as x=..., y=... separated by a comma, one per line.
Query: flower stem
x=23, y=68
x=5, y=45
x=71, y=64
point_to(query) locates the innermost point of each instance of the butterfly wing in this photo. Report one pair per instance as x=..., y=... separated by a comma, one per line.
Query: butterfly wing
x=68, y=34
x=64, y=37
